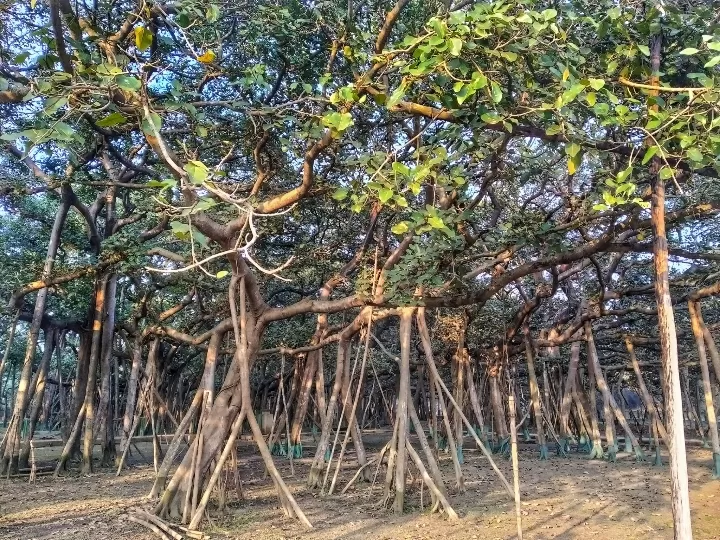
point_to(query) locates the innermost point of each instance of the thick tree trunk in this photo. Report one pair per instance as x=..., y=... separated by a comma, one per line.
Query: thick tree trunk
x=104, y=423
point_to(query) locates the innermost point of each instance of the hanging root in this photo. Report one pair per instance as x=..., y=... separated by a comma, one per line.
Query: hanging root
x=597, y=451
x=611, y=454
x=434, y=490
x=543, y=452
x=162, y=529
x=658, y=460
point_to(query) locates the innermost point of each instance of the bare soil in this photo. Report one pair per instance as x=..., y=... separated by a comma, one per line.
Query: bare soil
x=562, y=498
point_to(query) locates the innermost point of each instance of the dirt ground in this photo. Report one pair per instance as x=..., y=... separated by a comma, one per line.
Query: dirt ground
x=561, y=498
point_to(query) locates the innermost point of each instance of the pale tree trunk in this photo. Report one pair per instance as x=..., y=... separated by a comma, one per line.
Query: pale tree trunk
x=497, y=406
x=709, y=406
x=474, y=398
x=401, y=417
x=301, y=407
x=315, y=477
x=12, y=438
x=612, y=406
x=131, y=388
x=8, y=347
x=597, y=451
x=680, y=497
x=567, y=397
x=50, y=335
x=535, y=393
x=207, y=380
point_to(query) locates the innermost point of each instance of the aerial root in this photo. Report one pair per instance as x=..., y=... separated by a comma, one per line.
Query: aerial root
x=161, y=528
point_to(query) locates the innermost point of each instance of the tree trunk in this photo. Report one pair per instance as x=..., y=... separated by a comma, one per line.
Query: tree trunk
x=705, y=371
x=567, y=398
x=131, y=389
x=680, y=497
x=104, y=424
x=8, y=347
x=12, y=438
x=535, y=393
x=37, y=403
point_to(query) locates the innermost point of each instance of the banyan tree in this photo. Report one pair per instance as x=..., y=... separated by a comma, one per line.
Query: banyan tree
x=446, y=220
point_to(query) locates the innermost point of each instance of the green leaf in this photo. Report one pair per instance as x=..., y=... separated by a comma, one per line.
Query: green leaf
x=689, y=51
x=569, y=95
x=337, y=121
x=596, y=84
x=525, y=18
x=112, y=119
x=151, y=125
x=212, y=13
x=435, y=222
x=340, y=194
x=649, y=154
x=180, y=230
x=397, y=95
x=385, y=194
x=496, y=92
x=143, y=38
x=197, y=171
x=400, y=168
x=715, y=60
x=455, y=46
x=400, y=228
x=644, y=49
x=221, y=274
x=695, y=154
x=549, y=14
x=128, y=82
x=491, y=118
x=52, y=104
x=665, y=173
x=572, y=149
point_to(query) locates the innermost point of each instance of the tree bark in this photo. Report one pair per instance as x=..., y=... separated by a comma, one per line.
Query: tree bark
x=705, y=371
x=12, y=438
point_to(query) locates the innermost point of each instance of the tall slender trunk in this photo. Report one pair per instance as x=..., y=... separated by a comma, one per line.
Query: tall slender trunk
x=401, y=417
x=705, y=371
x=12, y=438
x=303, y=401
x=535, y=393
x=131, y=388
x=680, y=497
x=569, y=390
x=8, y=346
x=38, y=399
